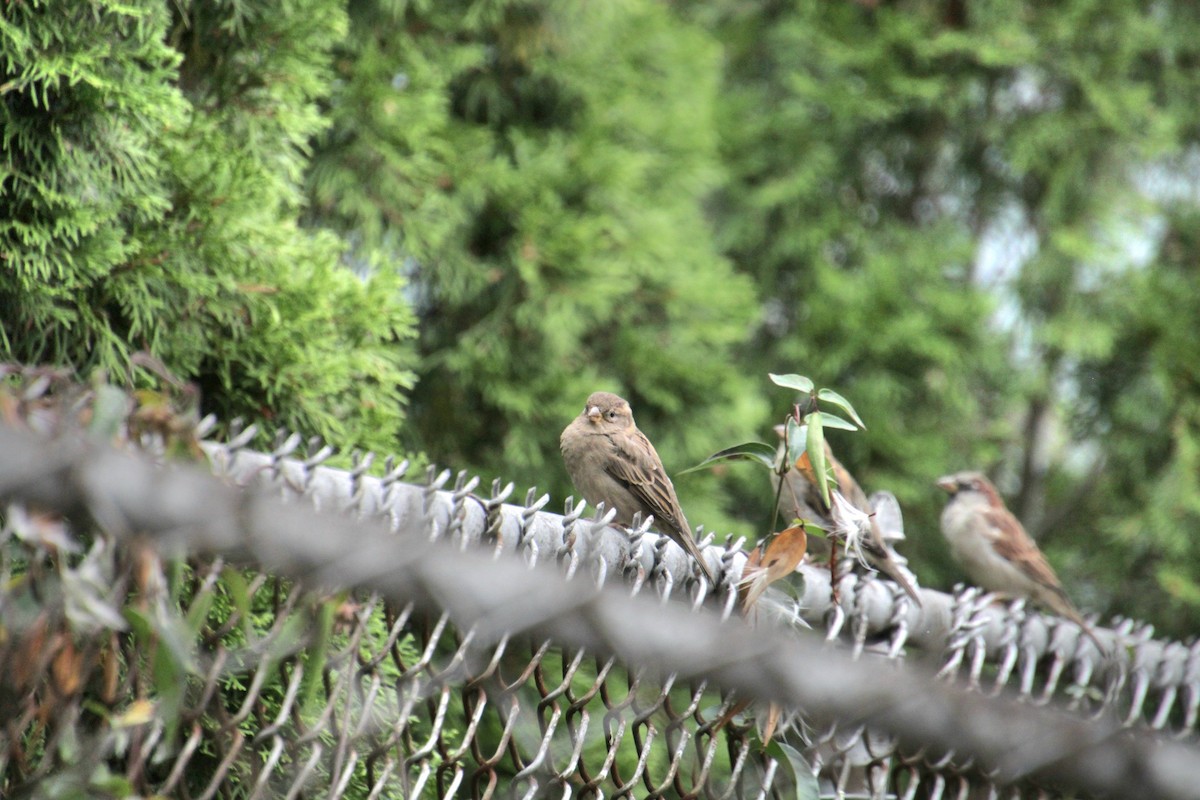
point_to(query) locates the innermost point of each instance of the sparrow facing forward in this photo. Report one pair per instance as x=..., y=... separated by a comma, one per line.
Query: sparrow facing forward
x=801, y=498
x=610, y=461
x=994, y=549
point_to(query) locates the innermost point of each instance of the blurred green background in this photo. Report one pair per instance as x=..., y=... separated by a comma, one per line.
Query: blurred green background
x=434, y=227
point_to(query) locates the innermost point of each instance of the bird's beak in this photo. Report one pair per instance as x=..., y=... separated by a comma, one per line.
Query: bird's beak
x=947, y=483
x=593, y=413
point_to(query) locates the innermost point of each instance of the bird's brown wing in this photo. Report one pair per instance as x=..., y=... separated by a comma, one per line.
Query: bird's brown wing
x=1012, y=543
x=636, y=465
x=847, y=485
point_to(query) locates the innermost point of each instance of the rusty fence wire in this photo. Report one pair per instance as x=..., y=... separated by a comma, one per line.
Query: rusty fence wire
x=293, y=630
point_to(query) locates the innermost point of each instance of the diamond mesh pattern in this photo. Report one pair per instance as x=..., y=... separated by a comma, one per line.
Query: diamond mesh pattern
x=133, y=669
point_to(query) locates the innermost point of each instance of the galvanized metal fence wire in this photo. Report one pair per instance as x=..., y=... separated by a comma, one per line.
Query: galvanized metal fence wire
x=294, y=630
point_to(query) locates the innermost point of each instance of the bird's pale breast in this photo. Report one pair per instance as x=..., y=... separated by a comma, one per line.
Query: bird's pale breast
x=587, y=457
x=970, y=539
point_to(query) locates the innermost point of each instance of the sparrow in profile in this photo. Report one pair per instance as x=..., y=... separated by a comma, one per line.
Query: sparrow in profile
x=610, y=461
x=802, y=498
x=994, y=549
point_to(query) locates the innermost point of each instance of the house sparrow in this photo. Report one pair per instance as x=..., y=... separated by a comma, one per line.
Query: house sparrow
x=994, y=549
x=610, y=461
x=801, y=498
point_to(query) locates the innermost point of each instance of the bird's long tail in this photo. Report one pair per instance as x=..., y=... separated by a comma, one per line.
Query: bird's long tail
x=1065, y=608
x=887, y=565
x=686, y=541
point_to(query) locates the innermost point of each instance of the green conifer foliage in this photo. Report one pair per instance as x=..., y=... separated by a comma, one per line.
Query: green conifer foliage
x=87, y=91
x=542, y=169
x=152, y=158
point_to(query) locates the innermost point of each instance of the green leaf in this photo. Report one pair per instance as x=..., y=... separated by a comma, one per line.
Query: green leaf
x=139, y=623
x=830, y=396
x=109, y=410
x=169, y=682
x=813, y=528
x=816, y=454
x=197, y=615
x=807, y=787
x=103, y=782
x=175, y=641
x=797, y=441
x=239, y=594
x=759, y=452
x=792, y=381
x=317, y=653
x=167, y=638
x=177, y=579
x=832, y=421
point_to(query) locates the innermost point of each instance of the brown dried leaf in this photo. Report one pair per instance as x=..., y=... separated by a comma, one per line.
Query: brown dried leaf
x=771, y=723
x=727, y=717
x=783, y=553
x=10, y=410
x=110, y=664
x=24, y=661
x=804, y=466
x=67, y=667
x=139, y=712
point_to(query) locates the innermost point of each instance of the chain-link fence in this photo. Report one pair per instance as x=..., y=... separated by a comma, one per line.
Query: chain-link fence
x=167, y=634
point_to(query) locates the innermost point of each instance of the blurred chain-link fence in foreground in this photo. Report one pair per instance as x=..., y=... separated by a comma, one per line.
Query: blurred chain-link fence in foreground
x=299, y=631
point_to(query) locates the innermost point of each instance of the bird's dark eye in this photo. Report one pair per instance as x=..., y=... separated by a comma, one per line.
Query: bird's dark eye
x=612, y=415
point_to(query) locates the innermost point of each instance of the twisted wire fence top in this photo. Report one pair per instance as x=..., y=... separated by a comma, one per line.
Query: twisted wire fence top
x=333, y=633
